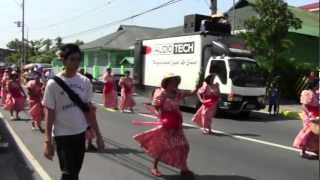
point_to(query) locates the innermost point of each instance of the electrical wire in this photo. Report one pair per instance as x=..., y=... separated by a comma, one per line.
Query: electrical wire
x=70, y=19
x=122, y=20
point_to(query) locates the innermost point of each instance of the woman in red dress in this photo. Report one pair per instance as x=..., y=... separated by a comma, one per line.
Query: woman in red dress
x=167, y=142
x=306, y=140
x=15, y=98
x=35, y=91
x=126, y=99
x=109, y=90
x=4, y=79
x=208, y=95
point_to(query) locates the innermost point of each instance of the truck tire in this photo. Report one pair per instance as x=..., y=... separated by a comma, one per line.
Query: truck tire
x=245, y=114
x=219, y=113
x=198, y=105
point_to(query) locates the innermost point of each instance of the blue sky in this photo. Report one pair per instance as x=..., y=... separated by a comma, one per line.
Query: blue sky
x=52, y=18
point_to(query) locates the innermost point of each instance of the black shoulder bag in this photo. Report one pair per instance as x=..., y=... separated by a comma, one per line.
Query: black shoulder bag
x=88, y=112
x=72, y=95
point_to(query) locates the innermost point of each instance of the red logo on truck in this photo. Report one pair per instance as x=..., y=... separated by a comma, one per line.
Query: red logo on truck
x=147, y=50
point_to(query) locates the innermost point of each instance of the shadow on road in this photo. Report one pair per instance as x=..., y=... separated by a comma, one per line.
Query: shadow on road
x=206, y=177
x=121, y=151
x=236, y=134
x=133, y=159
x=22, y=119
x=254, y=117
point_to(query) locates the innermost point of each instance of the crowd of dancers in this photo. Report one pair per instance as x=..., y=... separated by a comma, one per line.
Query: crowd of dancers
x=166, y=142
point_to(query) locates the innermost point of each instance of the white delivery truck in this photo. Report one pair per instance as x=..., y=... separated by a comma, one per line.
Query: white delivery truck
x=241, y=83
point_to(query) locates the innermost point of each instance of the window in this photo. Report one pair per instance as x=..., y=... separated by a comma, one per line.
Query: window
x=219, y=68
x=245, y=73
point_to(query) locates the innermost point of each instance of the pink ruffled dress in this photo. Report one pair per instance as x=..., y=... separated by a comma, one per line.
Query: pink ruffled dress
x=36, y=108
x=109, y=92
x=166, y=141
x=3, y=91
x=306, y=139
x=15, y=98
x=203, y=117
x=126, y=99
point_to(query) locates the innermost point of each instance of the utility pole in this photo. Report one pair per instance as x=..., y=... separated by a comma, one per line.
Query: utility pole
x=214, y=7
x=23, y=47
x=233, y=17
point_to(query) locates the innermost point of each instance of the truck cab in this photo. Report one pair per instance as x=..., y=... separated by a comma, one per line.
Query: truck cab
x=241, y=83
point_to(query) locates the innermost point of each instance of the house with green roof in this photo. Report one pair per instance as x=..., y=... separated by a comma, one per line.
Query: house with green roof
x=306, y=39
x=110, y=50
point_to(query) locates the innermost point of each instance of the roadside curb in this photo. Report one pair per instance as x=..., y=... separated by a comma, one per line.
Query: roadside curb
x=25, y=151
x=291, y=114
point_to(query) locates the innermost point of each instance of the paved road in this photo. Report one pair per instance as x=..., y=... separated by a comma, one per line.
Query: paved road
x=13, y=166
x=255, y=148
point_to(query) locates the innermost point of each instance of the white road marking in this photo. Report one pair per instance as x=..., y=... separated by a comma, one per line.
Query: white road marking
x=36, y=165
x=236, y=136
x=267, y=143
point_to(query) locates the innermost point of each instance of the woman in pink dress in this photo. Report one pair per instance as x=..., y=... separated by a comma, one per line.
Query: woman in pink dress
x=35, y=91
x=126, y=100
x=306, y=140
x=1, y=76
x=109, y=90
x=15, y=98
x=167, y=142
x=5, y=78
x=208, y=95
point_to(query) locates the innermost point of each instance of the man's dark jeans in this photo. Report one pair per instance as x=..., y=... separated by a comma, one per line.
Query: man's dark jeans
x=70, y=150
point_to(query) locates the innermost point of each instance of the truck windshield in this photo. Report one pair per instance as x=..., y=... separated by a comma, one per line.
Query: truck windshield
x=245, y=73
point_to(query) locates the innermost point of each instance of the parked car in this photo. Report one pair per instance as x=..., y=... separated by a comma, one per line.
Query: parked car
x=98, y=84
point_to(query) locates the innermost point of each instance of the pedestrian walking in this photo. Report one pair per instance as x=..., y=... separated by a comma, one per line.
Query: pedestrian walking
x=1, y=76
x=35, y=91
x=306, y=140
x=126, y=100
x=109, y=90
x=208, y=95
x=273, y=96
x=312, y=77
x=167, y=142
x=86, y=74
x=89, y=137
x=15, y=99
x=66, y=121
x=5, y=78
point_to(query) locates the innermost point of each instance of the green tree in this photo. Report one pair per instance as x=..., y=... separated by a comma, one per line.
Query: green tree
x=37, y=51
x=79, y=42
x=59, y=43
x=267, y=33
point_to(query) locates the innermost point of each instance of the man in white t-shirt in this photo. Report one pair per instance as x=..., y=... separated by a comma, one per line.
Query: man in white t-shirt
x=69, y=119
x=65, y=121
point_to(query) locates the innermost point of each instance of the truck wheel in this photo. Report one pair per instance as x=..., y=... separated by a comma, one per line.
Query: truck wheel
x=219, y=112
x=198, y=105
x=245, y=114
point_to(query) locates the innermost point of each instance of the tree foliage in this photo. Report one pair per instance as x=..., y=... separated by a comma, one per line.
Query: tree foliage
x=267, y=33
x=37, y=51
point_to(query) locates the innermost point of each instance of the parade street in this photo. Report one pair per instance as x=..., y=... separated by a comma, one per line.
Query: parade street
x=242, y=149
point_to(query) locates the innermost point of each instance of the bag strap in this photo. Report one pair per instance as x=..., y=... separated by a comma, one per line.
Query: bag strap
x=72, y=95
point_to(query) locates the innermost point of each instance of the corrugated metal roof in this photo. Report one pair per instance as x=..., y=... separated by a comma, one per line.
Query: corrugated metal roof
x=310, y=21
x=311, y=6
x=123, y=38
